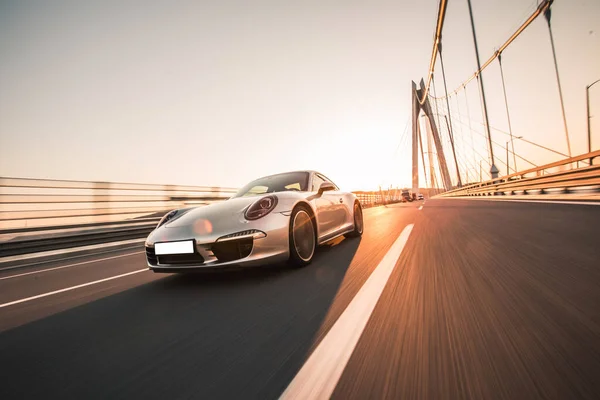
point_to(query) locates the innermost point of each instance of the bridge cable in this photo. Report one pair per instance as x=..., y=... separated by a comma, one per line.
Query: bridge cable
x=482, y=159
x=436, y=41
x=460, y=126
x=493, y=170
x=459, y=183
x=438, y=128
x=459, y=143
x=449, y=140
x=463, y=165
x=465, y=159
x=436, y=105
x=545, y=4
x=431, y=161
x=432, y=155
x=527, y=141
x=422, y=153
x=512, y=142
x=548, y=14
x=401, y=138
x=446, y=140
x=502, y=147
x=467, y=164
x=469, y=119
x=490, y=151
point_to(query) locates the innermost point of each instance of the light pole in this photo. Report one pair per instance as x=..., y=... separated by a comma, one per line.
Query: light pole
x=589, y=129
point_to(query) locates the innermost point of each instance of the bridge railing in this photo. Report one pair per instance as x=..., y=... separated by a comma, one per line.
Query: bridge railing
x=42, y=203
x=369, y=199
x=565, y=176
x=39, y=215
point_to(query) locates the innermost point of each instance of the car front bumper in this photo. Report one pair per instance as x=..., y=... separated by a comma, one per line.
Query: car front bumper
x=269, y=244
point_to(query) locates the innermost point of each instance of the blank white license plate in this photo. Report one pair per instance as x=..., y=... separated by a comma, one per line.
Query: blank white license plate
x=186, y=247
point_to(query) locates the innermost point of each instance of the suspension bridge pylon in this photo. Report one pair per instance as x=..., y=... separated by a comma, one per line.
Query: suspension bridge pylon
x=417, y=107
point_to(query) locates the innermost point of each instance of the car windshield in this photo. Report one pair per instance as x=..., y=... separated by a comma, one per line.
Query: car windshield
x=291, y=181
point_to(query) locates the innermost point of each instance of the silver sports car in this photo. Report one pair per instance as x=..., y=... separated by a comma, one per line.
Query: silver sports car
x=275, y=218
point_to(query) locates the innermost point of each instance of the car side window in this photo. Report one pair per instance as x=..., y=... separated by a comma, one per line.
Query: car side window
x=317, y=181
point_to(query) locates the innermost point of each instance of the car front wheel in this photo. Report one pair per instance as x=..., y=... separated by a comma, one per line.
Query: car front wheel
x=302, y=237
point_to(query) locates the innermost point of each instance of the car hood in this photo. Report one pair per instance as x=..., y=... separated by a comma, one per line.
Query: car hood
x=229, y=208
x=207, y=223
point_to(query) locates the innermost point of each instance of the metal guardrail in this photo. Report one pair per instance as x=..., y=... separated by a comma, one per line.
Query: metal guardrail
x=369, y=199
x=41, y=215
x=76, y=239
x=40, y=203
x=566, y=175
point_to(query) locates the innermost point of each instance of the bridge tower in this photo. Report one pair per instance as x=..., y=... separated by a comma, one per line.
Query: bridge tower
x=417, y=107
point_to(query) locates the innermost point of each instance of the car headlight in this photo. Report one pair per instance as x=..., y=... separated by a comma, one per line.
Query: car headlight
x=167, y=218
x=172, y=215
x=261, y=207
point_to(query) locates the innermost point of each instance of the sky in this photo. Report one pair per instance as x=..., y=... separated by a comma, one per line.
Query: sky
x=222, y=92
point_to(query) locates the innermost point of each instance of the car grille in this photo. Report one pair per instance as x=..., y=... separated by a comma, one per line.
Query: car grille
x=181, y=259
x=232, y=250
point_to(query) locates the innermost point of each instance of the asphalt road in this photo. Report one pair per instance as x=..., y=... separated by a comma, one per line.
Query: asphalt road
x=488, y=300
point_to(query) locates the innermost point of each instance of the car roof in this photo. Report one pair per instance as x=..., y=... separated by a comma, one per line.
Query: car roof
x=288, y=172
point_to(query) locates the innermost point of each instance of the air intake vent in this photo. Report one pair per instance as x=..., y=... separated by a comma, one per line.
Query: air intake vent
x=231, y=250
x=151, y=256
x=180, y=259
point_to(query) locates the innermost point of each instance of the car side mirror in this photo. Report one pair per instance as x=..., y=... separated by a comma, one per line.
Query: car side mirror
x=325, y=187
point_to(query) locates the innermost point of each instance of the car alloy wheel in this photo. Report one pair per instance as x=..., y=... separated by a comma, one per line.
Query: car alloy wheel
x=303, y=235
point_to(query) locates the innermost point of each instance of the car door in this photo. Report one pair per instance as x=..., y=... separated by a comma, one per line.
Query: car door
x=324, y=205
x=339, y=211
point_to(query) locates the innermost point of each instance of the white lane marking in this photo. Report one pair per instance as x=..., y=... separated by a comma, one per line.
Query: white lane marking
x=71, y=288
x=69, y=266
x=319, y=376
x=420, y=208
x=580, y=202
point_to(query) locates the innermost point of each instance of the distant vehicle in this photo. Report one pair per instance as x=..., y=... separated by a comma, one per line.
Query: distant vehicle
x=275, y=218
x=406, y=196
x=420, y=196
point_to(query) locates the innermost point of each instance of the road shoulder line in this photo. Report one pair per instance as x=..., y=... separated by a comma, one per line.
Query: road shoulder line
x=319, y=376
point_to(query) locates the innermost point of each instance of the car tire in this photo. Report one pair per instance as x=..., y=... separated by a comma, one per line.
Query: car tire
x=302, y=237
x=358, y=222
